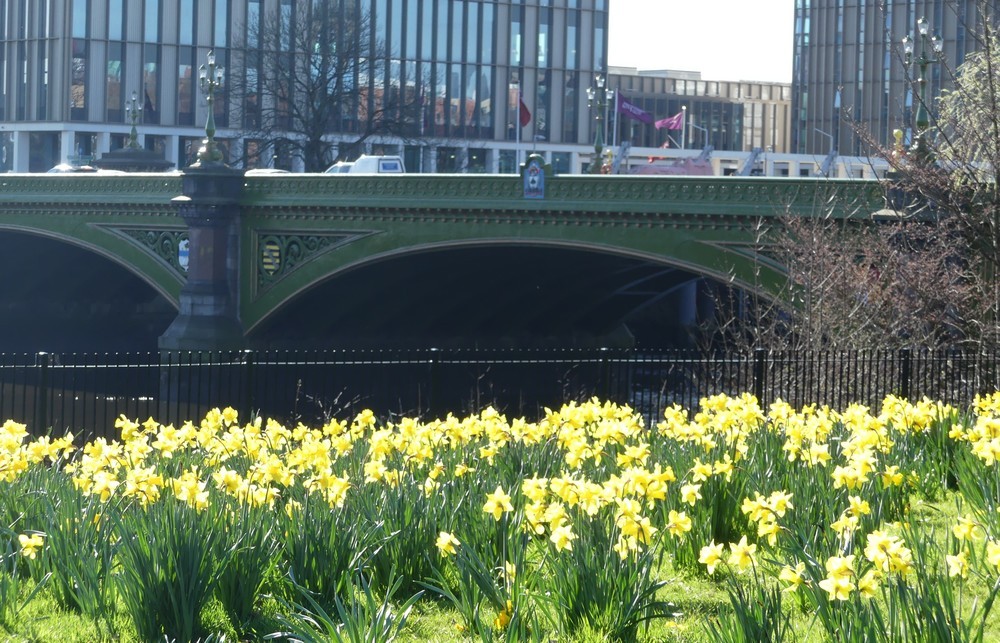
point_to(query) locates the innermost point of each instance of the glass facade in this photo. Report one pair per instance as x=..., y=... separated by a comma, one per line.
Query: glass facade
x=734, y=116
x=455, y=59
x=849, y=74
x=449, y=75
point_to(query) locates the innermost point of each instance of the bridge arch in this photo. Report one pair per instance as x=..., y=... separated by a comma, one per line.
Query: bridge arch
x=64, y=294
x=496, y=290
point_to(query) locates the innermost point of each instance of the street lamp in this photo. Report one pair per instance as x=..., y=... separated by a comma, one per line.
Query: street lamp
x=132, y=112
x=599, y=97
x=920, y=148
x=209, y=79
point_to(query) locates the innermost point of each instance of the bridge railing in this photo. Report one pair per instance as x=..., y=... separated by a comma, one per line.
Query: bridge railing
x=85, y=393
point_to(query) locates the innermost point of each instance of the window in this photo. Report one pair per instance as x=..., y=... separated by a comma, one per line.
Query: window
x=221, y=23
x=508, y=162
x=457, y=29
x=113, y=87
x=472, y=34
x=251, y=97
x=151, y=27
x=477, y=160
x=560, y=162
x=116, y=19
x=544, y=18
x=570, y=100
x=411, y=30
x=572, y=40
x=151, y=83
x=80, y=21
x=599, y=62
x=78, y=82
x=487, y=34
x=185, y=85
x=441, y=46
x=186, y=23
x=426, y=29
x=516, y=15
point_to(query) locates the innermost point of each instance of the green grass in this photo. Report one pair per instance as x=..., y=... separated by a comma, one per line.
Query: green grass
x=695, y=599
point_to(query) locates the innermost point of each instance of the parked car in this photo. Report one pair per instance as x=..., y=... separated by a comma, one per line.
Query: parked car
x=369, y=165
x=69, y=168
x=340, y=167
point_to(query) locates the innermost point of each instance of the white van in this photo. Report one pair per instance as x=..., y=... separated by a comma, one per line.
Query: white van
x=369, y=165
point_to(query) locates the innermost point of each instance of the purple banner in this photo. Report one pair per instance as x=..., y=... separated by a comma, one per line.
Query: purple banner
x=632, y=111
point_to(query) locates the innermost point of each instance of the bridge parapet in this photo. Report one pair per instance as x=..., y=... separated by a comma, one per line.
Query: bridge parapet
x=744, y=196
x=148, y=188
x=750, y=196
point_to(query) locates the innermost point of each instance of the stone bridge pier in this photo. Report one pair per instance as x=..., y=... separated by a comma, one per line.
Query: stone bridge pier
x=208, y=310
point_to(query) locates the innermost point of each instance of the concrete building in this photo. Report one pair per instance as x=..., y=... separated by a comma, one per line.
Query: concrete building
x=727, y=115
x=69, y=69
x=849, y=72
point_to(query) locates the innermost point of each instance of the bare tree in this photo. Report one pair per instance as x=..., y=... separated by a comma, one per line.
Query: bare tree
x=310, y=84
x=950, y=174
x=855, y=283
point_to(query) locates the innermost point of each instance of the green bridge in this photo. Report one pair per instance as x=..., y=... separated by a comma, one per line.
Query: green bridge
x=235, y=259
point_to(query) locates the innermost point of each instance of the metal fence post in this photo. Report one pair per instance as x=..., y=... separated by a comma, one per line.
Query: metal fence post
x=433, y=376
x=248, y=384
x=42, y=362
x=605, y=375
x=759, y=374
x=905, y=373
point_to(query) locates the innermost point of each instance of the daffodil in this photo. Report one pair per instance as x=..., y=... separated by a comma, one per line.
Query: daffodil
x=793, y=576
x=993, y=553
x=958, y=564
x=965, y=529
x=891, y=477
x=31, y=544
x=678, y=523
x=700, y=471
x=741, y=554
x=446, y=544
x=562, y=537
x=711, y=556
x=839, y=572
x=497, y=503
x=868, y=584
x=503, y=618
x=691, y=493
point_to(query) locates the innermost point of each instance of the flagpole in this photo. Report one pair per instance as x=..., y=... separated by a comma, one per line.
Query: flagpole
x=614, y=132
x=517, y=122
x=684, y=126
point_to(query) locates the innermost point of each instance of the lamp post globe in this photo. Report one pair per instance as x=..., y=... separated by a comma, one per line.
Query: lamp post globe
x=598, y=97
x=209, y=79
x=921, y=148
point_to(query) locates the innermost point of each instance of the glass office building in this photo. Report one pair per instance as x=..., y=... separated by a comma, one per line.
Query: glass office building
x=69, y=68
x=726, y=115
x=849, y=71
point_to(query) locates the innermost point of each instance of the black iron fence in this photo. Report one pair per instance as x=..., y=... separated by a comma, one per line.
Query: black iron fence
x=85, y=393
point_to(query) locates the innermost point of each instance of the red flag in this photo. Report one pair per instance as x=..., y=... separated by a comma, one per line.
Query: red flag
x=671, y=122
x=525, y=116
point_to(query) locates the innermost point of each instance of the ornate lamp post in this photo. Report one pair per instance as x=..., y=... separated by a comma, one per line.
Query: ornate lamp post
x=133, y=110
x=209, y=79
x=920, y=149
x=598, y=97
